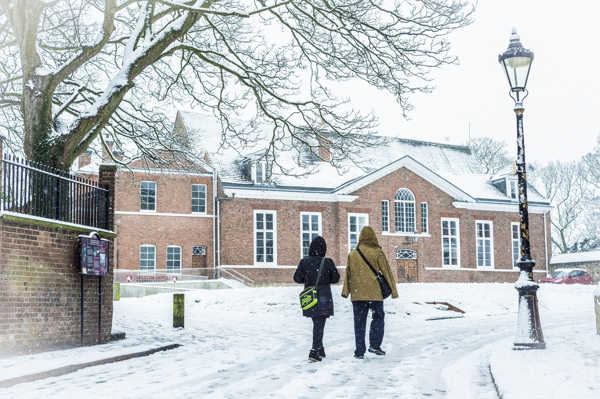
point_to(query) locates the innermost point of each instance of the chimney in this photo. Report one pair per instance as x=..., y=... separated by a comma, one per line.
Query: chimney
x=324, y=150
x=105, y=156
x=85, y=159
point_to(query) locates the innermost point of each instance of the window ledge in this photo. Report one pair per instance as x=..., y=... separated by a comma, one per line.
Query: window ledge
x=396, y=234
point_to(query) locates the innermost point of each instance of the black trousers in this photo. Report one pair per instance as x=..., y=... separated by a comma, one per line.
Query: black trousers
x=361, y=311
x=318, y=327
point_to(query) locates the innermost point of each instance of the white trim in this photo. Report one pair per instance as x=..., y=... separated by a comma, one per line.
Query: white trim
x=205, y=201
x=515, y=267
x=471, y=269
x=405, y=215
x=427, y=218
x=414, y=166
x=265, y=212
x=395, y=234
x=267, y=266
x=188, y=215
x=295, y=195
x=260, y=266
x=156, y=171
x=140, y=258
x=167, y=259
x=388, y=216
x=496, y=207
x=357, y=215
x=59, y=222
x=457, y=266
x=319, y=232
x=155, y=196
x=491, y=266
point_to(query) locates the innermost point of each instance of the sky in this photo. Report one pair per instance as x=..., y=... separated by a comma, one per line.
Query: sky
x=561, y=120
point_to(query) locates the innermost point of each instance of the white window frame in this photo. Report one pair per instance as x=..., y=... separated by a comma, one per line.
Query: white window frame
x=442, y=220
x=155, y=196
x=509, y=188
x=358, y=231
x=387, y=216
x=205, y=204
x=491, y=239
x=310, y=231
x=426, y=219
x=167, y=259
x=262, y=169
x=397, y=202
x=512, y=243
x=254, y=231
x=153, y=259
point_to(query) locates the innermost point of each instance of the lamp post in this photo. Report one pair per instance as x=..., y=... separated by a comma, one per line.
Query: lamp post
x=516, y=61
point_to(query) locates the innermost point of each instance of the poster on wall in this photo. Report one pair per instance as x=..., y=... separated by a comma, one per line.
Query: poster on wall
x=93, y=257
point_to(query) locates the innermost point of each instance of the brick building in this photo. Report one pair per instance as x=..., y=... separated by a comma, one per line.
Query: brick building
x=435, y=217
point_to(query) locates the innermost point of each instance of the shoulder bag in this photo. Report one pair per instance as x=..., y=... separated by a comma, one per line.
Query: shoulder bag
x=308, y=296
x=383, y=284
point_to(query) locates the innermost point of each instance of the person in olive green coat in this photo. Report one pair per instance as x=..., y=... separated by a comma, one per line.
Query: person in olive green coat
x=362, y=286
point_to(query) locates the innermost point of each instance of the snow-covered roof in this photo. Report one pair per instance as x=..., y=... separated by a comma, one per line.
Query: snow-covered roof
x=454, y=163
x=573, y=257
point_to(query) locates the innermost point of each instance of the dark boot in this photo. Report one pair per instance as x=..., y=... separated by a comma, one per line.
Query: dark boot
x=322, y=352
x=313, y=355
x=377, y=351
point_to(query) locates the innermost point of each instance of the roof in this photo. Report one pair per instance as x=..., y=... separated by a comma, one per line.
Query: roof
x=453, y=165
x=575, y=257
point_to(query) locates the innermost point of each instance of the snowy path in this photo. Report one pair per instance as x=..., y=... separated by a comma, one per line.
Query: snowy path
x=252, y=343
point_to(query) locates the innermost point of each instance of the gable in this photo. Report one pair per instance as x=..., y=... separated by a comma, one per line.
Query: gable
x=414, y=166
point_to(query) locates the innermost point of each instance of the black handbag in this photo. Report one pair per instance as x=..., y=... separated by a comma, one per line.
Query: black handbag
x=383, y=284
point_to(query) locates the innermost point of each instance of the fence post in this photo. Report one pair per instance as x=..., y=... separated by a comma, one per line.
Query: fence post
x=178, y=310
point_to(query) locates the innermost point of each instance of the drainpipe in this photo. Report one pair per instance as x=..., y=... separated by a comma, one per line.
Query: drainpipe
x=546, y=244
x=215, y=220
x=218, y=221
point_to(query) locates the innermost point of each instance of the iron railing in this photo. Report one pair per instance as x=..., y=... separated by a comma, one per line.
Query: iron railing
x=30, y=188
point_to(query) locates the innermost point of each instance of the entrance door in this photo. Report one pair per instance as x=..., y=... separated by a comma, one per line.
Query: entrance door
x=406, y=264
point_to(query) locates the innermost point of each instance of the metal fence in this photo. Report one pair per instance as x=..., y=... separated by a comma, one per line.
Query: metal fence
x=30, y=188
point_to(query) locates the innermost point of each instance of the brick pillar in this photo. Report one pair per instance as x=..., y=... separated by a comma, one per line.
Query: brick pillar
x=107, y=176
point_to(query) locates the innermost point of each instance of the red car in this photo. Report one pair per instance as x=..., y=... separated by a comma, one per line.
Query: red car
x=568, y=276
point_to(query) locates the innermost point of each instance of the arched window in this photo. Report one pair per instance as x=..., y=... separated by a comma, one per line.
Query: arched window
x=404, y=211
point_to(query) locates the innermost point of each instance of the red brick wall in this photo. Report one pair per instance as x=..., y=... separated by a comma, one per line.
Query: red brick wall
x=173, y=195
x=40, y=290
x=238, y=230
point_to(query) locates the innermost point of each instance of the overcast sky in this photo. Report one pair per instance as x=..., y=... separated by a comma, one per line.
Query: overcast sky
x=563, y=107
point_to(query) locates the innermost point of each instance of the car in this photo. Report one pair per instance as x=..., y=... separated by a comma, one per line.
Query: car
x=568, y=276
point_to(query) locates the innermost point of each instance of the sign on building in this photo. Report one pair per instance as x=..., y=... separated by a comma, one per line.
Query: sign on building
x=93, y=254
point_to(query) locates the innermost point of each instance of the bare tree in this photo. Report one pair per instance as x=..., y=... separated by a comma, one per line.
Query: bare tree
x=490, y=154
x=565, y=187
x=73, y=71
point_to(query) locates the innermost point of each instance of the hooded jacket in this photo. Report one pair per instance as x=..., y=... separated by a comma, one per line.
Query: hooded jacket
x=360, y=281
x=306, y=274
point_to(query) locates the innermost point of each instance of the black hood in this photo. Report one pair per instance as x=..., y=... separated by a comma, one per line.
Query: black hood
x=318, y=247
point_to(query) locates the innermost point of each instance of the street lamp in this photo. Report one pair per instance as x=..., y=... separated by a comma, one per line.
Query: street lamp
x=516, y=61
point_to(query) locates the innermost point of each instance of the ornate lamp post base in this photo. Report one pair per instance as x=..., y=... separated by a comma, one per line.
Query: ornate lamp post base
x=529, y=330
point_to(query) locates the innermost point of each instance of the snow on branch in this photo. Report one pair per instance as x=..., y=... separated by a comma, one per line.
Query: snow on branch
x=222, y=13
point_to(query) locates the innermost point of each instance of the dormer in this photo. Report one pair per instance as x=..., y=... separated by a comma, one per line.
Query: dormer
x=507, y=184
x=261, y=172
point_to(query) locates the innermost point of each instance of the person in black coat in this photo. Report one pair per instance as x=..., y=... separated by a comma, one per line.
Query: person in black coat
x=306, y=274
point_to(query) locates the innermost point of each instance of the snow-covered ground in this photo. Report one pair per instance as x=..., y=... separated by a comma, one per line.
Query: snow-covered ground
x=253, y=343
